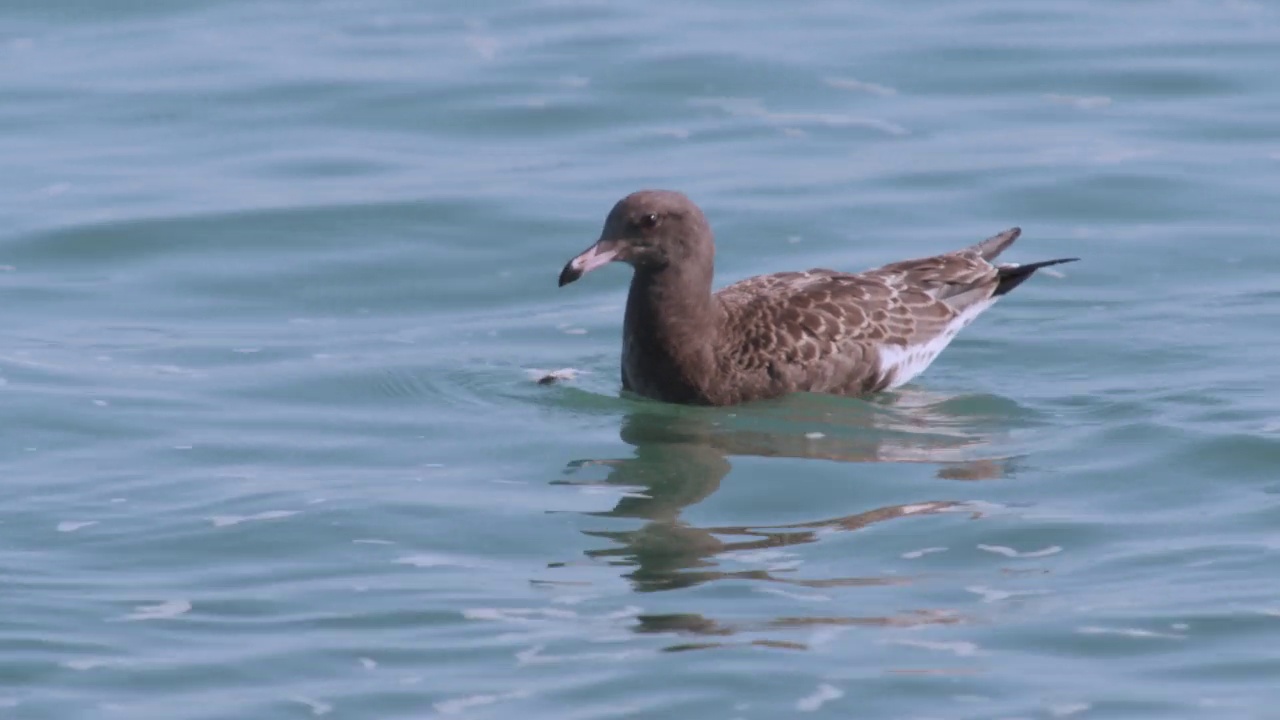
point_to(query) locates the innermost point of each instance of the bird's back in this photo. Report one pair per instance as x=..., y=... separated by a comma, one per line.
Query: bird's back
x=851, y=333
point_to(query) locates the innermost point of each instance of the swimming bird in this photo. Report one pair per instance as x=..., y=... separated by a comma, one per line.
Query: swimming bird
x=819, y=331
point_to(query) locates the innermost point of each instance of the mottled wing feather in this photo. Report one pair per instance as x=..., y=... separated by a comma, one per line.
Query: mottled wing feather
x=951, y=278
x=820, y=330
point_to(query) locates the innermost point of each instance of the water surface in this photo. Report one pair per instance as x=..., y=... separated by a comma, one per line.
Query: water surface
x=278, y=276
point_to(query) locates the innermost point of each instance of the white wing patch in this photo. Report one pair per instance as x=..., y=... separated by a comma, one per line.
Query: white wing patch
x=902, y=363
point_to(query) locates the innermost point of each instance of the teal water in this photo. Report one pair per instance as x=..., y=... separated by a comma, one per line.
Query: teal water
x=277, y=277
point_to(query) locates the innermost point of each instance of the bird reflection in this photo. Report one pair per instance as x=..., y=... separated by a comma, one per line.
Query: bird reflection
x=700, y=625
x=681, y=455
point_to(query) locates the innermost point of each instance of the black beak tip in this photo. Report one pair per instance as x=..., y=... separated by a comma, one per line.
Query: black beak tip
x=569, y=274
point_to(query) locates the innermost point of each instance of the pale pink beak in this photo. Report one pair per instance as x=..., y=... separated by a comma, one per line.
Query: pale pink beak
x=602, y=253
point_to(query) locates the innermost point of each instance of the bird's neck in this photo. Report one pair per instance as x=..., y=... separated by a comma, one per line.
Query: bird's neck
x=671, y=327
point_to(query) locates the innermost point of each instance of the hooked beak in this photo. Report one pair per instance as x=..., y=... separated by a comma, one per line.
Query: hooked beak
x=602, y=253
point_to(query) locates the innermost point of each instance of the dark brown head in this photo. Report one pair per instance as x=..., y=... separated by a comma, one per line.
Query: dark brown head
x=650, y=230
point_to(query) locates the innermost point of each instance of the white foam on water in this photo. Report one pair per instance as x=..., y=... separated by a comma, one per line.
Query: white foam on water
x=572, y=599
x=629, y=611
x=808, y=597
x=90, y=663
x=536, y=656
x=773, y=557
x=428, y=560
x=821, y=696
x=959, y=648
x=1010, y=552
x=913, y=554
x=67, y=526
x=453, y=707
x=1129, y=632
x=841, y=83
x=1068, y=709
x=1082, y=102
x=990, y=595
x=228, y=520
x=517, y=615
x=754, y=108
x=162, y=611
x=317, y=708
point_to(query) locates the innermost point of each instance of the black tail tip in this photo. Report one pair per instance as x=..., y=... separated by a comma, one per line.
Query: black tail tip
x=1012, y=277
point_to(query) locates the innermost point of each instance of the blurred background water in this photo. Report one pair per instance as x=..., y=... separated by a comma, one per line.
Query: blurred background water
x=277, y=277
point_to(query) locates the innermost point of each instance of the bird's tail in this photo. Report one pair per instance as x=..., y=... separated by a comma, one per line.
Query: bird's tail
x=1011, y=276
x=991, y=247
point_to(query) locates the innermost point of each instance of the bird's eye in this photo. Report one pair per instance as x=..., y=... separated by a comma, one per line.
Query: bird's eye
x=649, y=221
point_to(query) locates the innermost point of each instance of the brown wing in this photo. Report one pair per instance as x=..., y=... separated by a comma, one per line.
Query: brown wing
x=819, y=330
x=957, y=280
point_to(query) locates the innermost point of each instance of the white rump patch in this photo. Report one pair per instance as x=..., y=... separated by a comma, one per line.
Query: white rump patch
x=902, y=363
